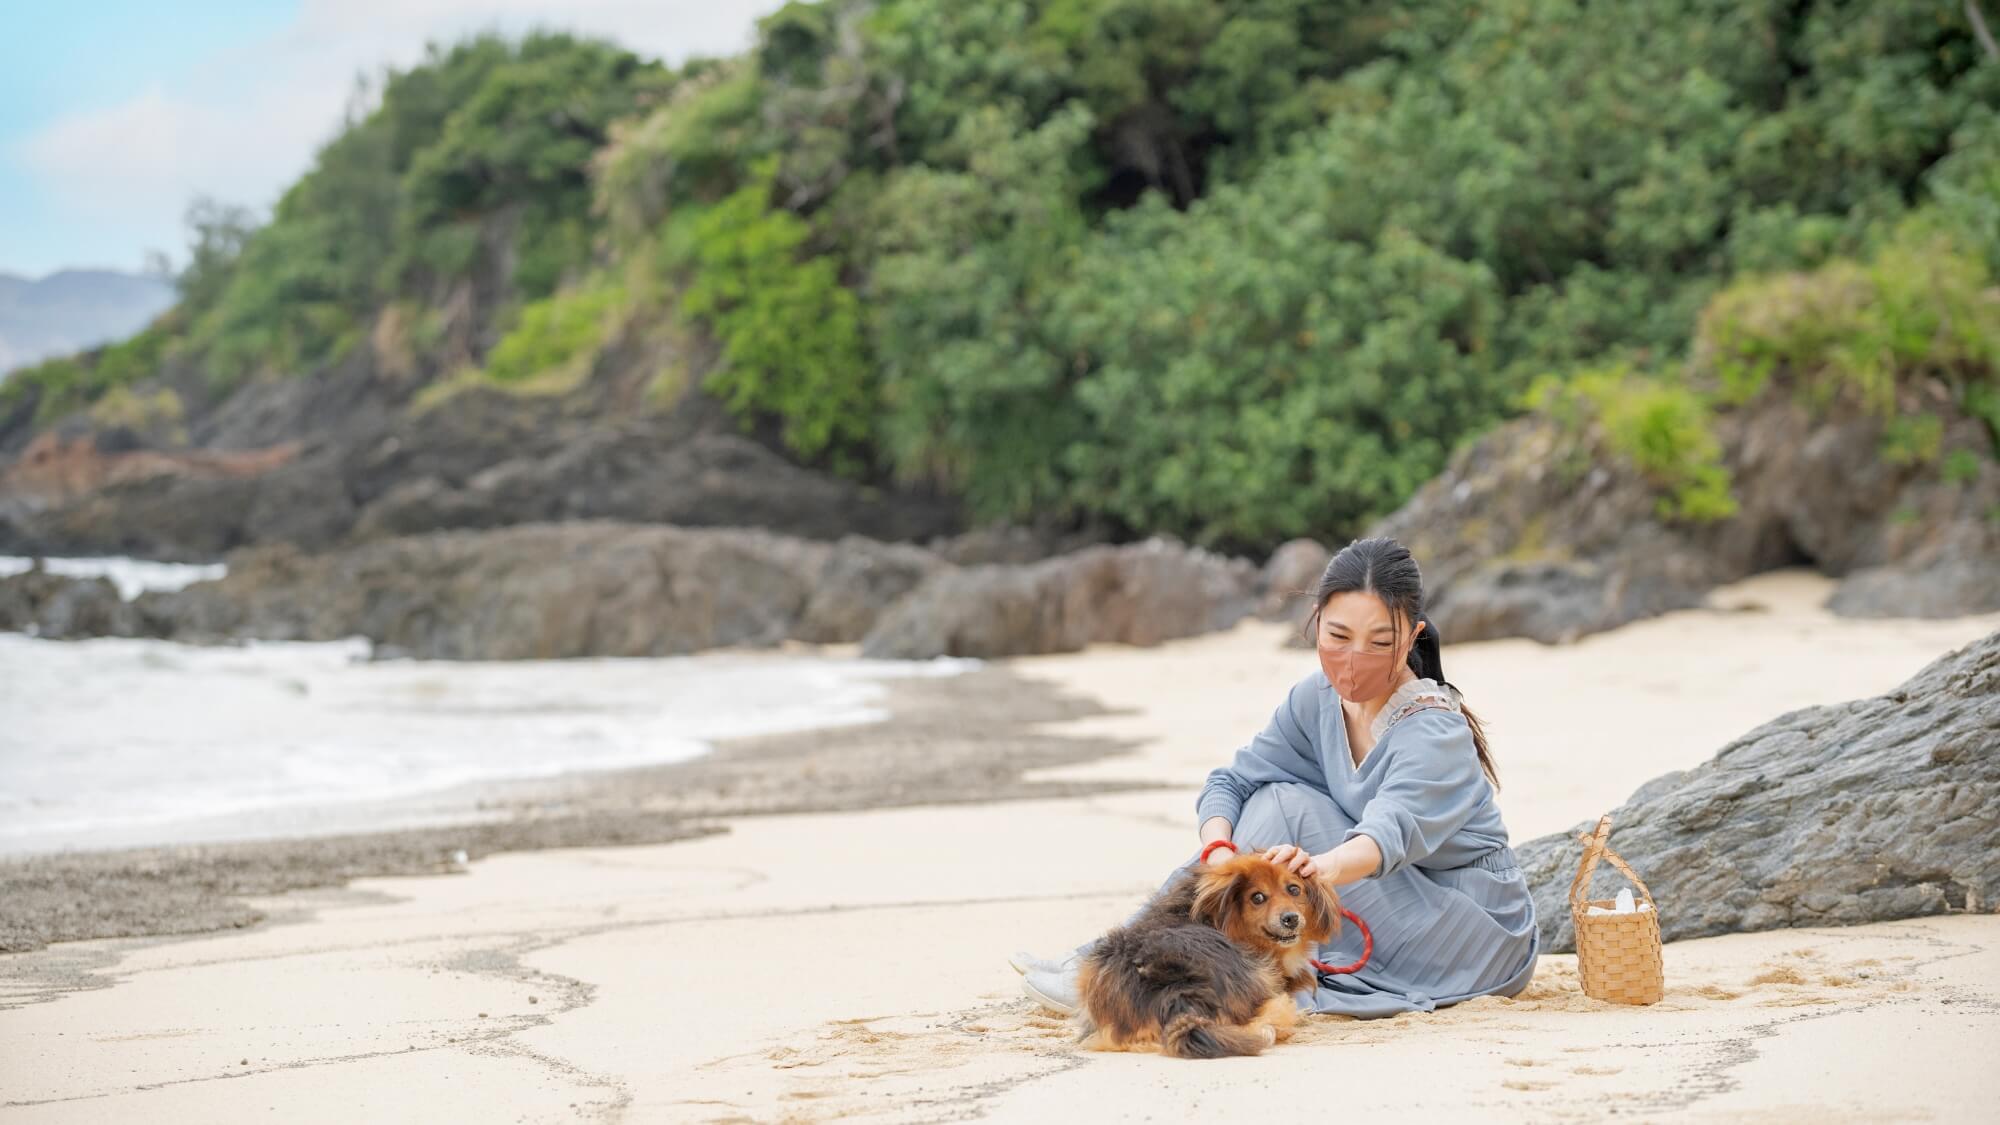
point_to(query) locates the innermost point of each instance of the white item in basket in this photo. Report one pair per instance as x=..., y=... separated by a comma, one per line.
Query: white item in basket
x=1621, y=905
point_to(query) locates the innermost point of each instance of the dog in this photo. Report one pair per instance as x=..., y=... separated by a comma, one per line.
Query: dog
x=1208, y=968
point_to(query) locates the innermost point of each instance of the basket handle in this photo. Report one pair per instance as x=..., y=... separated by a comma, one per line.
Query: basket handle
x=1595, y=845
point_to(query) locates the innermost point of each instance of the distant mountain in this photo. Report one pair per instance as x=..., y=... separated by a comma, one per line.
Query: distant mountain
x=71, y=310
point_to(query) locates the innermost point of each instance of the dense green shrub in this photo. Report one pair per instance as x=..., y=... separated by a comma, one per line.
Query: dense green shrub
x=965, y=262
x=557, y=332
x=1920, y=311
x=1662, y=428
x=790, y=334
x=1921, y=308
x=69, y=383
x=486, y=141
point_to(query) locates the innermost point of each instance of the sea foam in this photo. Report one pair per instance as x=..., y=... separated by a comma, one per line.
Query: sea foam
x=113, y=742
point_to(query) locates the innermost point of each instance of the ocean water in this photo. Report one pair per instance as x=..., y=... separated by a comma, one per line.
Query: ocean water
x=131, y=576
x=110, y=742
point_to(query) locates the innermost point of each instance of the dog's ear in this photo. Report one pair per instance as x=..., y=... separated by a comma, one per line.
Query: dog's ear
x=1215, y=897
x=1324, y=902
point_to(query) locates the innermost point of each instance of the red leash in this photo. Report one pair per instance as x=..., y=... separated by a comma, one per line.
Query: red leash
x=1367, y=938
x=1367, y=947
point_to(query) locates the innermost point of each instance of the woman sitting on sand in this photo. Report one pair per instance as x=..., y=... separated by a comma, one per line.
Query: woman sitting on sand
x=1373, y=772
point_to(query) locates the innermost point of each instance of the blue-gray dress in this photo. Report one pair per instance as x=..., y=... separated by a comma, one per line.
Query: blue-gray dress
x=1449, y=906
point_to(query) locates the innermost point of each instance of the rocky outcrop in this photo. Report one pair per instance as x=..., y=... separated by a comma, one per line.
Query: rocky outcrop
x=56, y=605
x=597, y=588
x=1513, y=541
x=550, y=590
x=1858, y=812
x=1139, y=594
x=346, y=454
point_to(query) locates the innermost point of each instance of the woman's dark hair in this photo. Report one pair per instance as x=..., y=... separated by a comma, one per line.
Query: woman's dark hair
x=1383, y=567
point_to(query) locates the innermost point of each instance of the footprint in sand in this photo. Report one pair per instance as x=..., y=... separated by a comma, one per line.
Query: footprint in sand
x=786, y=1058
x=1527, y=1062
x=1528, y=1084
x=1595, y=1069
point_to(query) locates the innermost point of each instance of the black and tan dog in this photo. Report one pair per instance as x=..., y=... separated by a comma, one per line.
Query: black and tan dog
x=1207, y=970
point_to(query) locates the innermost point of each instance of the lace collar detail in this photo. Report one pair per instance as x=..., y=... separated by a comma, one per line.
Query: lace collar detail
x=1419, y=694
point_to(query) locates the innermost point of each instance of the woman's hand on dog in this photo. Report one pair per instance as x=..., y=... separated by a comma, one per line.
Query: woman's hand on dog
x=1294, y=858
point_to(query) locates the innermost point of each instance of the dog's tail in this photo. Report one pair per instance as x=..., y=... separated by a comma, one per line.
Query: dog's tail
x=1193, y=1035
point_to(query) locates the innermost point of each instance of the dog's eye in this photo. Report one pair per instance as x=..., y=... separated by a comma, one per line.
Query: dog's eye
x=1293, y=889
x=1258, y=898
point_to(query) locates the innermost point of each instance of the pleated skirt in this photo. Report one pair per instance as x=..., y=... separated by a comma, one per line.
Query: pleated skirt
x=1441, y=936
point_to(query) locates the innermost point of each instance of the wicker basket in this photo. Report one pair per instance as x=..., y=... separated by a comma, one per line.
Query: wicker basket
x=1617, y=955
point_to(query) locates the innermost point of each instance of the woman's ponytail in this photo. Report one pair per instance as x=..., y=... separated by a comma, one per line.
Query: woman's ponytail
x=1426, y=652
x=1427, y=660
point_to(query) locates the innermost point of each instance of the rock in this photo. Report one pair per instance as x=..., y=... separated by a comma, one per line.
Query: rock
x=858, y=581
x=1139, y=594
x=65, y=495
x=1857, y=812
x=57, y=605
x=1010, y=543
x=1945, y=589
x=599, y=588
x=587, y=588
x=535, y=591
x=1516, y=539
x=341, y=455
x=1290, y=576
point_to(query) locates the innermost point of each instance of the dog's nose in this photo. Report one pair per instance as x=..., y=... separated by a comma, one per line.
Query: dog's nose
x=1290, y=919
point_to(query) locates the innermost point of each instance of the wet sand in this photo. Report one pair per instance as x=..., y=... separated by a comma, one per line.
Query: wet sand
x=804, y=966
x=970, y=737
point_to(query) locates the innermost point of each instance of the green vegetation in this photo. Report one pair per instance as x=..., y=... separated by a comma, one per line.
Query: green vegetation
x=1920, y=309
x=475, y=163
x=1919, y=314
x=74, y=382
x=1233, y=271
x=159, y=413
x=1244, y=271
x=790, y=334
x=1660, y=427
x=556, y=334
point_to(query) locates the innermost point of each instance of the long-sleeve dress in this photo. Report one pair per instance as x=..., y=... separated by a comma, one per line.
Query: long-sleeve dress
x=1448, y=905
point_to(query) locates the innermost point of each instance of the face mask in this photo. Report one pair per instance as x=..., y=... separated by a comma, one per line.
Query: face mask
x=1358, y=675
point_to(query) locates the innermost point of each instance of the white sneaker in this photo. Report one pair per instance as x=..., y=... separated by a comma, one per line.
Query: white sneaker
x=1053, y=990
x=1025, y=963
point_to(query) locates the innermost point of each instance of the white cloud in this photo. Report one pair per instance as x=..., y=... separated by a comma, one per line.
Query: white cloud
x=242, y=125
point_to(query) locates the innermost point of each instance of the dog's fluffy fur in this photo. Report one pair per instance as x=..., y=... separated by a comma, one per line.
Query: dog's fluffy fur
x=1208, y=969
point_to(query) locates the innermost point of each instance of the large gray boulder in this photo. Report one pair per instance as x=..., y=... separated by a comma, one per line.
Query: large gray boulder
x=1857, y=812
x=1139, y=594
x=1290, y=576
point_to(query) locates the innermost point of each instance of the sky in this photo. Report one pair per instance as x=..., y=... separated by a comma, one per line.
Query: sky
x=115, y=114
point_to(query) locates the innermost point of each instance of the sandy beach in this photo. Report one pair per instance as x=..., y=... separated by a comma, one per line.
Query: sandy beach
x=850, y=961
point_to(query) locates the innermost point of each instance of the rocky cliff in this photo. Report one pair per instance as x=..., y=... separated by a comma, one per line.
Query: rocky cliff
x=348, y=455
x=1517, y=538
